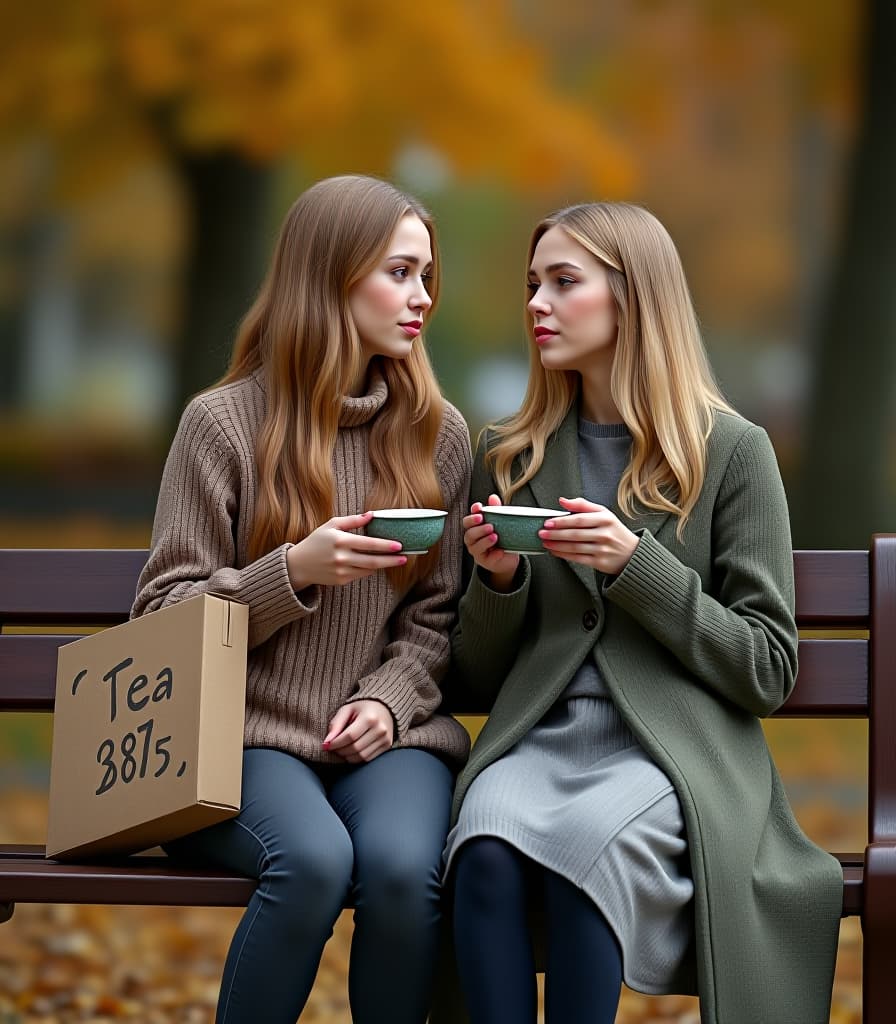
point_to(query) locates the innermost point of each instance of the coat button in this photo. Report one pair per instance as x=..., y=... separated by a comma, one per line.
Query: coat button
x=589, y=619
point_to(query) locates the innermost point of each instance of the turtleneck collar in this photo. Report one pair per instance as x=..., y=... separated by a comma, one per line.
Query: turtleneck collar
x=362, y=409
x=354, y=411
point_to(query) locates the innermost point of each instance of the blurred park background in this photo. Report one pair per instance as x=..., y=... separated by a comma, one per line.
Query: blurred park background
x=148, y=152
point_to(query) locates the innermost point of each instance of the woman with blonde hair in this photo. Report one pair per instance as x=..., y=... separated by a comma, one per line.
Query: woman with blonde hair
x=329, y=409
x=621, y=787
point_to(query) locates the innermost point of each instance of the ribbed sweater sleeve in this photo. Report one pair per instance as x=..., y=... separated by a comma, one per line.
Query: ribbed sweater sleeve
x=485, y=640
x=416, y=656
x=742, y=643
x=193, y=550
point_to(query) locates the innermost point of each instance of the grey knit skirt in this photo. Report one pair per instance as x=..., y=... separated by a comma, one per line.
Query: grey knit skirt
x=579, y=796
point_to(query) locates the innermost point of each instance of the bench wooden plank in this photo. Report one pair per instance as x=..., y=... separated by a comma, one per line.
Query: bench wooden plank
x=140, y=881
x=96, y=587
x=853, y=883
x=28, y=671
x=832, y=680
x=26, y=876
x=831, y=588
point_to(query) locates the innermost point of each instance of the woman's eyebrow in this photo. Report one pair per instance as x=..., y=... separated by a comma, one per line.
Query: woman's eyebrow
x=563, y=265
x=408, y=259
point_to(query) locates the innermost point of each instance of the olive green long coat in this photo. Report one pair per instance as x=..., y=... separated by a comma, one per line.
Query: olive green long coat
x=696, y=641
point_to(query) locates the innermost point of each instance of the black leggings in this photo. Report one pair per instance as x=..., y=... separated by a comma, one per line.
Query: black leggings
x=583, y=975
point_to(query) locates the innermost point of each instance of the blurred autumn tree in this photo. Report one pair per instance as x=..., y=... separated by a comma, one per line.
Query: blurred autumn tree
x=224, y=88
x=848, y=474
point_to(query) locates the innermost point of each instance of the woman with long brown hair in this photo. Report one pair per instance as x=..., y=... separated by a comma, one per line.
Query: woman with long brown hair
x=329, y=409
x=622, y=782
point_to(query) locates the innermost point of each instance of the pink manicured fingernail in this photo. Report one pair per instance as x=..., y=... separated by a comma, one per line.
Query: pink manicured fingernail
x=325, y=745
x=402, y=561
x=478, y=519
x=396, y=546
x=549, y=525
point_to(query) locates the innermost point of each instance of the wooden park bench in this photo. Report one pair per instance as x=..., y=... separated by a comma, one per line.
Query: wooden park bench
x=838, y=678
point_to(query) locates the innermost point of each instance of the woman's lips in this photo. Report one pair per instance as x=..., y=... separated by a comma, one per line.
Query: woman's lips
x=543, y=334
x=412, y=328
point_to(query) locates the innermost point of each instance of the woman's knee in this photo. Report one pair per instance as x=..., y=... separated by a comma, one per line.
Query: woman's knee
x=488, y=871
x=401, y=881
x=317, y=865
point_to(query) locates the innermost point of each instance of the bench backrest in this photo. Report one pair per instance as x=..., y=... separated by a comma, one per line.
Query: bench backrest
x=836, y=591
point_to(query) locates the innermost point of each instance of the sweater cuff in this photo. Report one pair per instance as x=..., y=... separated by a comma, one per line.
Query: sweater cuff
x=390, y=686
x=266, y=588
x=496, y=610
x=650, y=577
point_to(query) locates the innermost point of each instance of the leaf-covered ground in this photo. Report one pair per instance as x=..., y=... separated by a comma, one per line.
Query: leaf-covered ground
x=160, y=965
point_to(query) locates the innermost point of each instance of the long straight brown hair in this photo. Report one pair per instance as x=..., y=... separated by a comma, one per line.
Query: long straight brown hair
x=300, y=332
x=661, y=381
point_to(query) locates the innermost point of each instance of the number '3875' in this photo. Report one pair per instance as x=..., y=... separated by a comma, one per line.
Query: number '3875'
x=135, y=756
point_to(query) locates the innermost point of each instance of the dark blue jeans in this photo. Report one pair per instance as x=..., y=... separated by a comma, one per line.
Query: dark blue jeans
x=314, y=835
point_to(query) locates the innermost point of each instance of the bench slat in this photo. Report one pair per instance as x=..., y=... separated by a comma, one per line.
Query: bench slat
x=28, y=671
x=140, y=881
x=98, y=586
x=832, y=681
x=151, y=881
x=832, y=588
x=853, y=885
x=68, y=586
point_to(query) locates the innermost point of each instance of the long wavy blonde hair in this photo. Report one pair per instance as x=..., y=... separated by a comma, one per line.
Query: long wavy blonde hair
x=661, y=380
x=300, y=332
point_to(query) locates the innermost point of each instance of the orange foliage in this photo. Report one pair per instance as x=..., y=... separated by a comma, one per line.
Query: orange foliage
x=345, y=85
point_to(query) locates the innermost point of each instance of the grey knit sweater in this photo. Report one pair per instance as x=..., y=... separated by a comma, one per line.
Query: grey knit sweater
x=311, y=652
x=604, y=453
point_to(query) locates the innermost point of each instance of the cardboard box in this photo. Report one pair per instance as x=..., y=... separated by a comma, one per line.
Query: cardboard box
x=148, y=729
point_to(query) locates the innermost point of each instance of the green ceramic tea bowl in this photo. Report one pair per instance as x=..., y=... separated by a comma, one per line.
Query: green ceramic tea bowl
x=416, y=529
x=517, y=526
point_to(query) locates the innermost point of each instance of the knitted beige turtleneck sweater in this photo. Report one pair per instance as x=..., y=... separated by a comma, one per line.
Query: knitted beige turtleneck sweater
x=311, y=652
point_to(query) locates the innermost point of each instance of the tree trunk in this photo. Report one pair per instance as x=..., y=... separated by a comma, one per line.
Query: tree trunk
x=228, y=201
x=846, y=492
